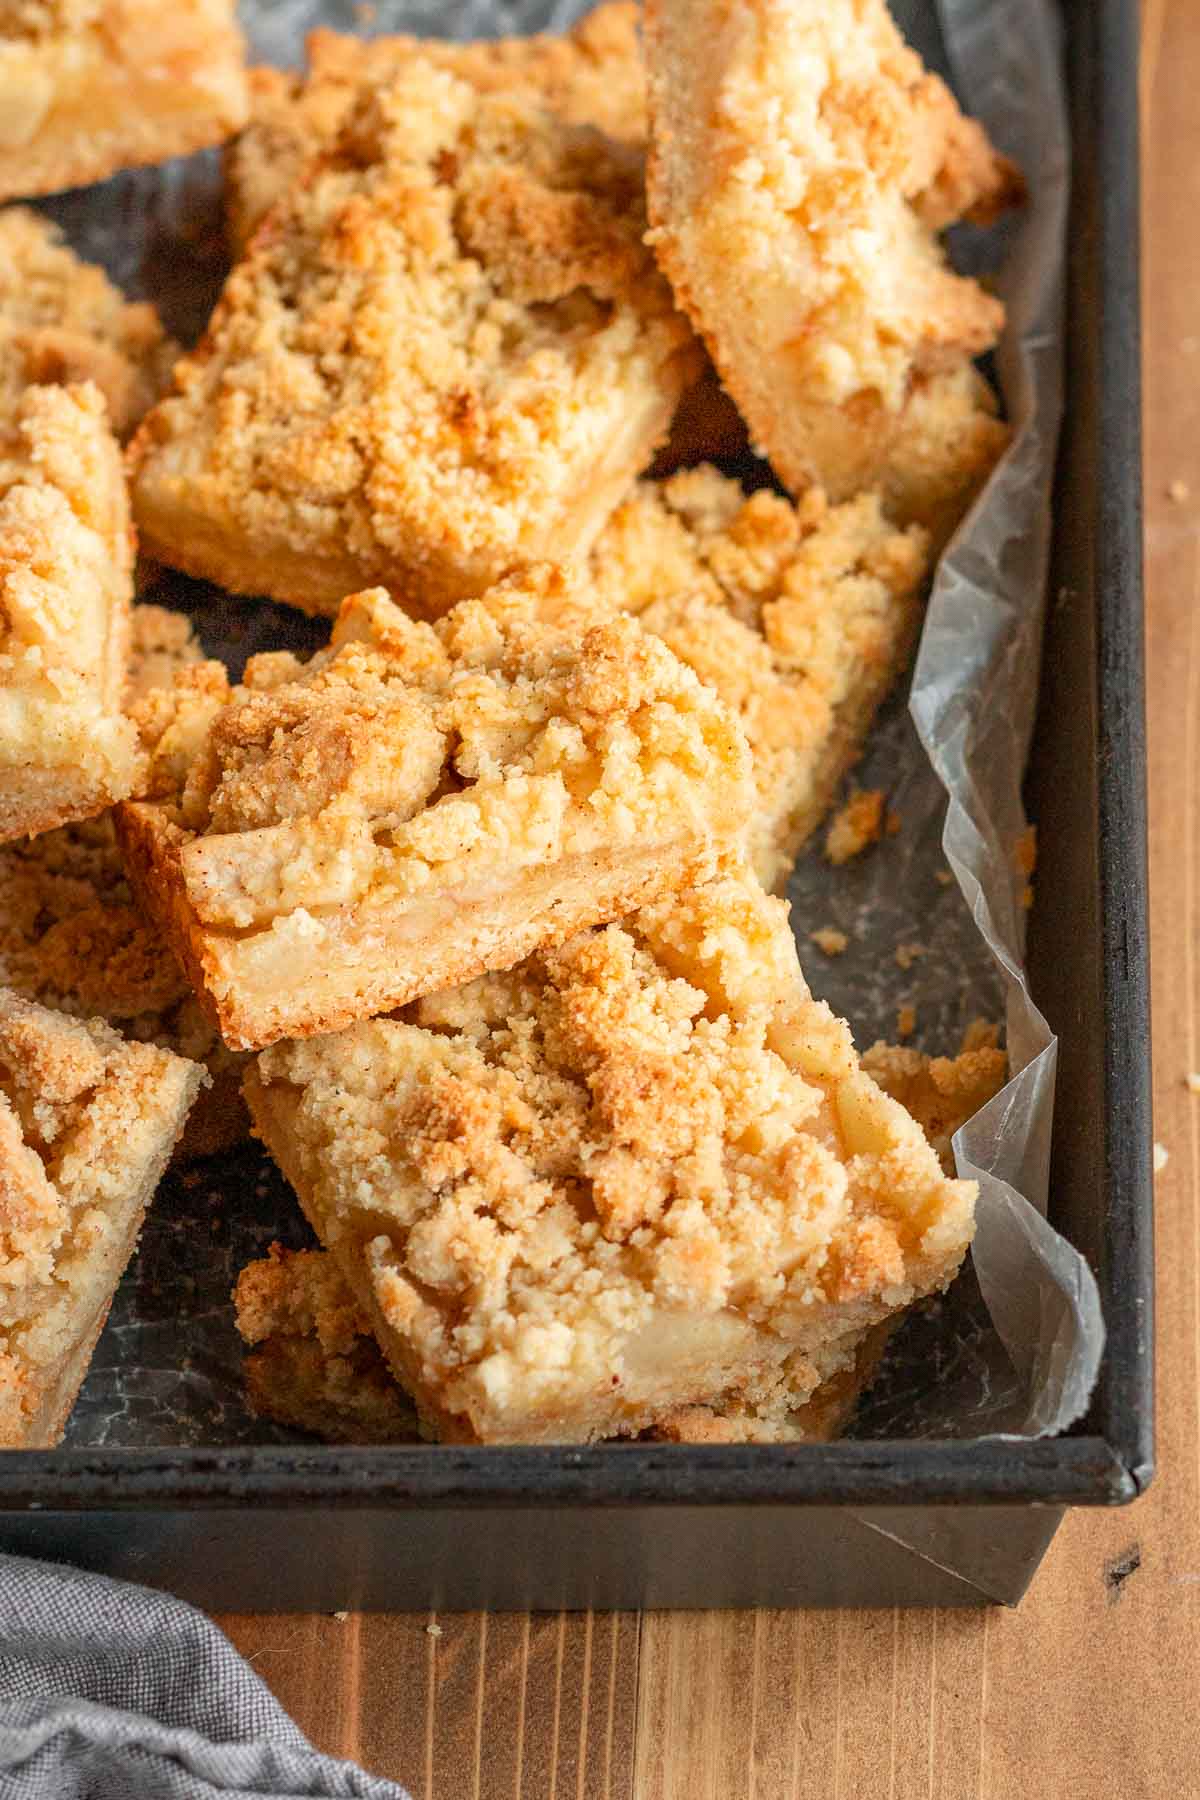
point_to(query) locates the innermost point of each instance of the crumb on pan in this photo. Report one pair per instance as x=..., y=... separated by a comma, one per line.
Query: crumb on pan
x=855, y=826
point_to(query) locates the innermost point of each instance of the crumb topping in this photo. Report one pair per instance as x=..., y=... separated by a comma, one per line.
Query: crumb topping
x=653, y=1119
x=422, y=365
x=408, y=758
x=63, y=321
x=592, y=75
x=72, y=938
x=941, y=1092
x=798, y=616
x=36, y=20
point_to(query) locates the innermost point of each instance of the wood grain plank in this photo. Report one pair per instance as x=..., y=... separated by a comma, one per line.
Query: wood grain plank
x=1089, y=1690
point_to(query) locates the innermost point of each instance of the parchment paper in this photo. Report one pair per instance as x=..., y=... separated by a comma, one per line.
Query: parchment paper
x=1014, y=1347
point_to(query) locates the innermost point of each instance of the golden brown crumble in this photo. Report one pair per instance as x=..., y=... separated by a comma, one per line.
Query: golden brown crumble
x=445, y=360
x=830, y=940
x=86, y=1125
x=420, y=802
x=800, y=617
x=855, y=826
x=906, y=1020
x=314, y=1363
x=62, y=320
x=592, y=75
x=72, y=938
x=800, y=171
x=66, y=749
x=161, y=643
x=941, y=1092
x=91, y=86
x=639, y=1171
x=36, y=19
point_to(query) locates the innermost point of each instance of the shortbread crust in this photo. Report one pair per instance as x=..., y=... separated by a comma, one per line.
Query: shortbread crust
x=799, y=617
x=420, y=803
x=87, y=1123
x=444, y=359
x=800, y=172
x=63, y=321
x=641, y=1170
x=67, y=750
x=91, y=86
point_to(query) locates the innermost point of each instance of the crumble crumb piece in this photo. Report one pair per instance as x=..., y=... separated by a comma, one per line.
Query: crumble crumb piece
x=940, y=1092
x=87, y=1123
x=1192, y=1082
x=1162, y=1157
x=66, y=749
x=92, y=86
x=638, y=1171
x=855, y=826
x=419, y=803
x=313, y=1363
x=799, y=616
x=981, y=1034
x=341, y=1617
x=908, y=954
x=944, y=877
x=434, y=1631
x=444, y=361
x=801, y=171
x=162, y=641
x=906, y=1021
x=829, y=939
x=1179, y=491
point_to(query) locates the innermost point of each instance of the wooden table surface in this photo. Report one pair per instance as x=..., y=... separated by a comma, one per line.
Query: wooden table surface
x=1090, y=1690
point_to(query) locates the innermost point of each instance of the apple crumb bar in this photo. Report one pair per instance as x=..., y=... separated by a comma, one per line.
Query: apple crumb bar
x=642, y=1171
x=420, y=803
x=91, y=86
x=67, y=750
x=87, y=1123
x=444, y=360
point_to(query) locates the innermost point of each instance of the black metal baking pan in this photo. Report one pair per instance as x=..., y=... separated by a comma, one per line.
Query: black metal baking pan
x=881, y=1522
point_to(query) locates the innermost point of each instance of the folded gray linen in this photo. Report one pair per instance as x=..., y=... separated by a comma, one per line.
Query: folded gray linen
x=110, y=1691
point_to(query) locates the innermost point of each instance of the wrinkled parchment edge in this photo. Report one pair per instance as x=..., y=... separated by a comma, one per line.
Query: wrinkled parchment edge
x=973, y=701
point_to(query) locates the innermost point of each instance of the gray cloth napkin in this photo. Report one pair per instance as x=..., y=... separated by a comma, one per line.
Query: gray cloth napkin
x=113, y=1692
